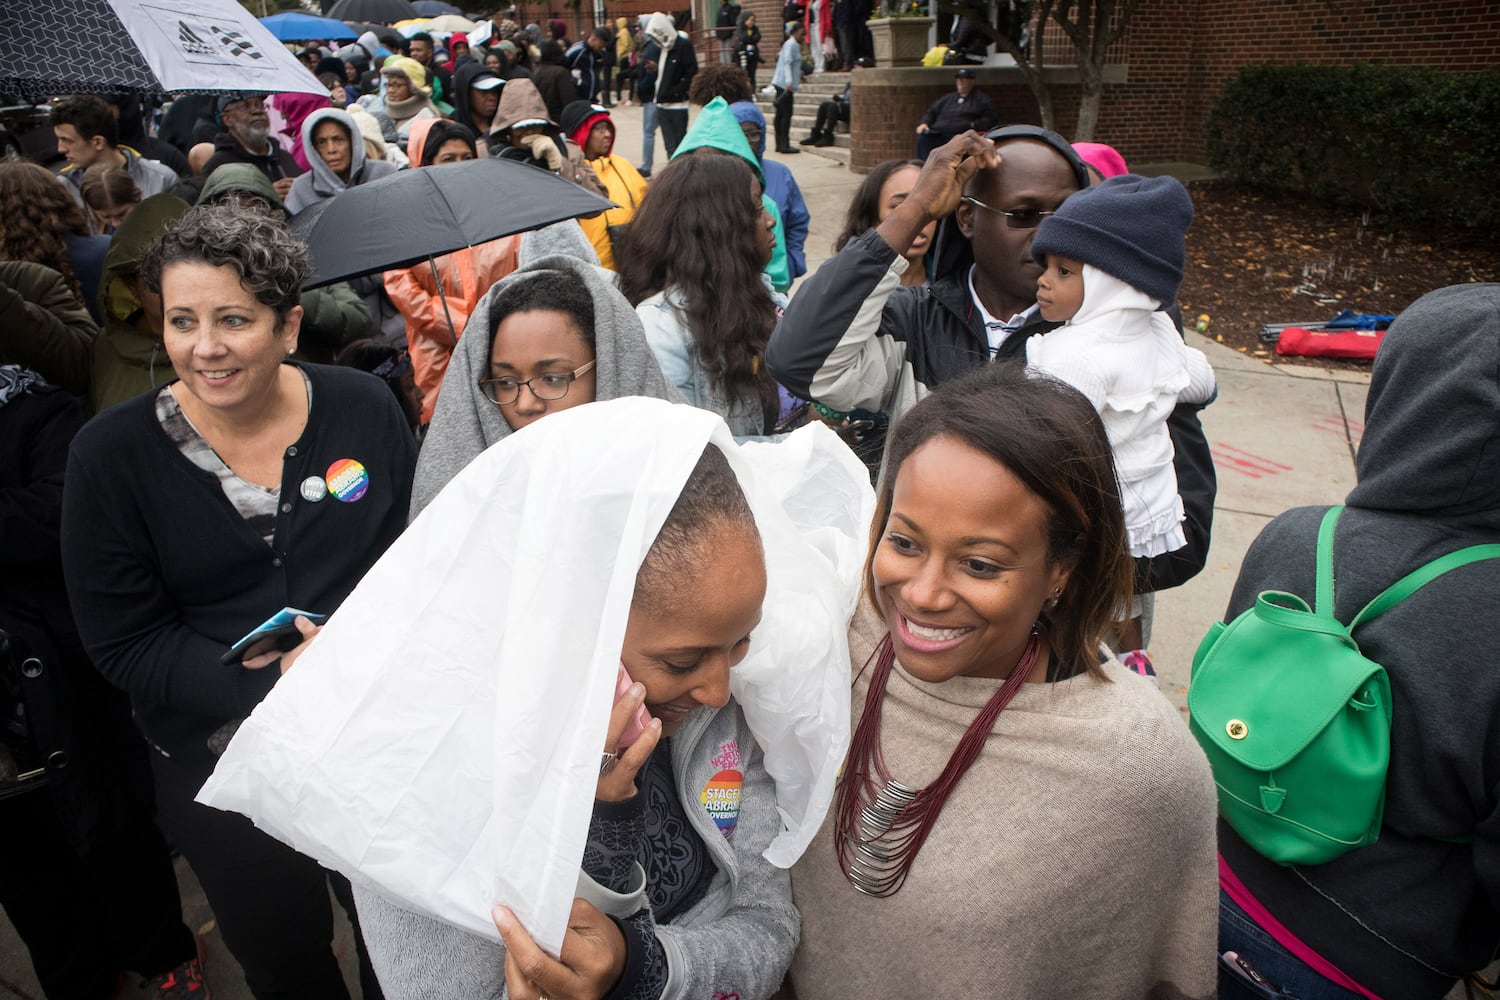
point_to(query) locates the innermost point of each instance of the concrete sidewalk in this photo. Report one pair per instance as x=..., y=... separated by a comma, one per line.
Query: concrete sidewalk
x=1282, y=437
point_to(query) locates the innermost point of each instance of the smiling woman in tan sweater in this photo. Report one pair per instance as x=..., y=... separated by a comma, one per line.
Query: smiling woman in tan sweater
x=1016, y=818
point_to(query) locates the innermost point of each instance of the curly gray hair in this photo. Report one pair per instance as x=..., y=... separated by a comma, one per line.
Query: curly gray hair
x=271, y=262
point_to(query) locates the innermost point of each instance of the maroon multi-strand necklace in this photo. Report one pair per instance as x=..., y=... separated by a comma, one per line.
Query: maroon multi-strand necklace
x=882, y=823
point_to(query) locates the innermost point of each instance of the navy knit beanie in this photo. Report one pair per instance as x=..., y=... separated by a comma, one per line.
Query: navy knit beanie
x=1130, y=227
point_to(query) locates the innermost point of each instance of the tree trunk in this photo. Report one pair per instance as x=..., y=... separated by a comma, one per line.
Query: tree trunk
x=1087, y=23
x=1088, y=104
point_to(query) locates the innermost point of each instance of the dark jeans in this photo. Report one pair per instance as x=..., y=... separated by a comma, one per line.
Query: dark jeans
x=1286, y=975
x=270, y=902
x=84, y=919
x=674, y=125
x=782, y=120
x=830, y=113
x=749, y=65
x=927, y=142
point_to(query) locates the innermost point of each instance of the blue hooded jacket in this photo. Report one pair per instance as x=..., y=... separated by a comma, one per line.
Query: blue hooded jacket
x=782, y=188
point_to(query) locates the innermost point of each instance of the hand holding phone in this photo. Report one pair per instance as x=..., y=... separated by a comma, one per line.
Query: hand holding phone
x=629, y=743
x=278, y=632
x=639, y=721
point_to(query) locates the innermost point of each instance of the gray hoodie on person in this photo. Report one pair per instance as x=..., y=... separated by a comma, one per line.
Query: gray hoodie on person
x=465, y=423
x=321, y=183
x=1410, y=914
x=736, y=941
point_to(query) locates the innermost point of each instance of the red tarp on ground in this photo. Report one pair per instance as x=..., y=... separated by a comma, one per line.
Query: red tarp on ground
x=1302, y=342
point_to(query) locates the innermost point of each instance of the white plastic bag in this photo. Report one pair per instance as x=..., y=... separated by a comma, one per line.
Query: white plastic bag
x=440, y=740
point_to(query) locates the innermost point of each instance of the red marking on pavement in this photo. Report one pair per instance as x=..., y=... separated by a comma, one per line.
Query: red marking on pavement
x=1247, y=463
x=1230, y=462
x=1350, y=430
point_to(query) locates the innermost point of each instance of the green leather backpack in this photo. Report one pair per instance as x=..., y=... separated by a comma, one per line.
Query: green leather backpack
x=1295, y=721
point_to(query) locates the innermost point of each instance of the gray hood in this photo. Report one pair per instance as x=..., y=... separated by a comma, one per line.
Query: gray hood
x=325, y=181
x=321, y=183
x=1432, y=420
x=465, y=423
x=565, y=237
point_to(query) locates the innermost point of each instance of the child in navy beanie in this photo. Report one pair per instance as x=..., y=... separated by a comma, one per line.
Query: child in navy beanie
x=1114, y=256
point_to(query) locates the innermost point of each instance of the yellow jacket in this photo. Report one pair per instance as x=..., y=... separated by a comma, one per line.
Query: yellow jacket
x=624, y=43
x=624, y=186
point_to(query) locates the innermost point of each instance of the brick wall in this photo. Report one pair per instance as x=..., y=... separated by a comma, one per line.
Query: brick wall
x=887, y=103
x=1177, y=56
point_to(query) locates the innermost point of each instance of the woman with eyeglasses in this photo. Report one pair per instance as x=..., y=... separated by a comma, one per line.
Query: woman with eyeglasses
x=553, y=335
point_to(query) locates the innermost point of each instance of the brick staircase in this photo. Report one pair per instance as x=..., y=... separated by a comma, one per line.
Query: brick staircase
x=815, y=90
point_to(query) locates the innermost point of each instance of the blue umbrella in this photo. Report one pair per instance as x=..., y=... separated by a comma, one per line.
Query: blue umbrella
x=294, y=27
x=434, y=8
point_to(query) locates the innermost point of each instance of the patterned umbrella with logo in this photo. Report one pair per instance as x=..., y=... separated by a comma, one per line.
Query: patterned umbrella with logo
x=154, y=47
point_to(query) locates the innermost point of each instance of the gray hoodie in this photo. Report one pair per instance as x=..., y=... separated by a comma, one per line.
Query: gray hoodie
x=321, y=183
x=737, y=941
x=1408, y=915
x=465, y=423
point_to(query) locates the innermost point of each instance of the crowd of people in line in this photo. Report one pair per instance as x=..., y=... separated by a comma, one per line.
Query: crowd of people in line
x=197, y=440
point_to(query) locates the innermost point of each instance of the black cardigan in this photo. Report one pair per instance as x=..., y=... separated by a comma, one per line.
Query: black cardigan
x=164, y=574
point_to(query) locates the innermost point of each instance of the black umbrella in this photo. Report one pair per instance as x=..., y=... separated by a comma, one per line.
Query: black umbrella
x=415, y=215
x=434, y=8
x=420, y=214
x=384, y=11
x=389, y=37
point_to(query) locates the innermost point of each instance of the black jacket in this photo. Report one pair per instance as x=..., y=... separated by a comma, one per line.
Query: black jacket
x=951, y=114
x=164, y=575
x=76, y=725
x=729, y=14
x=854, y=340
x=747, y=43
x=556, y=86
x=1426, y=895
x=590, y=66
x=675, y=70
x=276, y=164
x=462, y=81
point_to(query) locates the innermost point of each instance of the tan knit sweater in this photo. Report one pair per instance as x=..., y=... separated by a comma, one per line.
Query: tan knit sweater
x=1075, y=859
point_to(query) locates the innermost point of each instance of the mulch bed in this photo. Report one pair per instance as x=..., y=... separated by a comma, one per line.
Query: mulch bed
x=1257, y=258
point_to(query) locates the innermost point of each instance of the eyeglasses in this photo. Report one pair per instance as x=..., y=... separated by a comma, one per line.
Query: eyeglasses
x=553, y=385
x=1021, y=218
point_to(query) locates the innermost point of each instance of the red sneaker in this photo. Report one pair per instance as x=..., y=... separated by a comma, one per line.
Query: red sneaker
x=182, y=983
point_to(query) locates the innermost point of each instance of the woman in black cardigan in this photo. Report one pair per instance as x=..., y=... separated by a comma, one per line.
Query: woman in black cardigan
x=194, y=512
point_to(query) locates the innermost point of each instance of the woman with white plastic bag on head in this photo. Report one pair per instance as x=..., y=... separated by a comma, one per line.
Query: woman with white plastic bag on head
x=445, y=747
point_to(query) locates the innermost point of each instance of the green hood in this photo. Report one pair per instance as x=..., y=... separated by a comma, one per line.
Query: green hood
x=127, y=246
x=239, y=177
x=717, y=128
x=127, y=361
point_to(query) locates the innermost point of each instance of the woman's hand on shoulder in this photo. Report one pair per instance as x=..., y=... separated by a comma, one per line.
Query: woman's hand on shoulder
x=592, y=960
